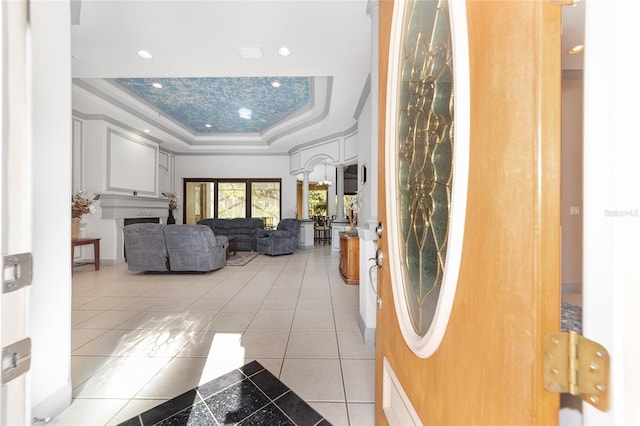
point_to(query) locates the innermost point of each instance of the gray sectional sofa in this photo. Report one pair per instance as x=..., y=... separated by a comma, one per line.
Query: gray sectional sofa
x=153, y=247
x=244, y=229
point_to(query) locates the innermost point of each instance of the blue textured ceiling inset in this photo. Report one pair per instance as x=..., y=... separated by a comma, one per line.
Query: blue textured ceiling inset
x=195, y=102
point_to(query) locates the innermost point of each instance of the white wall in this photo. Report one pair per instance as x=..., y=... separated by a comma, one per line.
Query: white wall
x=571, y=184
x=50, y=311
x=116, y=160
x=612, y=201
x=91, y=139
x=240, y=166
x=370, y=206
x=367, y=219
x=92, y=164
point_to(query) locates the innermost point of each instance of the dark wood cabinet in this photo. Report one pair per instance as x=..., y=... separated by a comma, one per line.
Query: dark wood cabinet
x=350, y=258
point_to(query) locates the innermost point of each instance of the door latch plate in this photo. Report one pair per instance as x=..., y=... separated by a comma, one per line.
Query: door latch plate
x=17, y=270
x=16, y=359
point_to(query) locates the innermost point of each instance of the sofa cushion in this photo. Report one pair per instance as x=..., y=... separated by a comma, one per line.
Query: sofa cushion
x=246, y=223
x=194, y=248
x=244, y=229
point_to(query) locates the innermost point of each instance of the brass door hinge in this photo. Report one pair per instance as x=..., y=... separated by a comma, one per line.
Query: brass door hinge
x=576, y=365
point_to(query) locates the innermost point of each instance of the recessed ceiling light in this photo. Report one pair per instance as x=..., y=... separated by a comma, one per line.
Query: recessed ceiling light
x=276, y=83
x=245, y=113
x=576, y=49
x=157, y=85
x=208, y=126
x=145, y=54
x=284, y=51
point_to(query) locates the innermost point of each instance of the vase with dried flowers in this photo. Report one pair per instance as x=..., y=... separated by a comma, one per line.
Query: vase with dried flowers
x=81, y=204
x=173, y=205
x=354, y=204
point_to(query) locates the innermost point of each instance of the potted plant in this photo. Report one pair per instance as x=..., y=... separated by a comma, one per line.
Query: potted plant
x=355, y=205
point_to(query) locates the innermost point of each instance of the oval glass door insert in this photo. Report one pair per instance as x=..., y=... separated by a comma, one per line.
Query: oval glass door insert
x=427, y=164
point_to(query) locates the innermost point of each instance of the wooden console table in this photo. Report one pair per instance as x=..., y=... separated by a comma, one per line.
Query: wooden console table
x=350, y=258
x=75, y=242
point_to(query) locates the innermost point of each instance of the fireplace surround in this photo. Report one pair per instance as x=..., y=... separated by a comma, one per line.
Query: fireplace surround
x=121, y=210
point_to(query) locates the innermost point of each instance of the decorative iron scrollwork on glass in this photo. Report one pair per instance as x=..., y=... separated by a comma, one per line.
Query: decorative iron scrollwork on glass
x=424, y=155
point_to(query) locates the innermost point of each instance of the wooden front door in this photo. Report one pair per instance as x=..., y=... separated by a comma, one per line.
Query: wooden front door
x=487, y=369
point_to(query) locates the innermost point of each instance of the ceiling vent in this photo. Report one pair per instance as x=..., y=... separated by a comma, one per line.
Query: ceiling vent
x=250, y=52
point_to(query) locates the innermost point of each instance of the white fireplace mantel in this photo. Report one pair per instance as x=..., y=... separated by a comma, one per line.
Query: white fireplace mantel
x=117, y=208
x=128, y=206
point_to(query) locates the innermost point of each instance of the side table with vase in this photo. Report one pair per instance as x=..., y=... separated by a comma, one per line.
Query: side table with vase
x=75, y=227
x=81, y=204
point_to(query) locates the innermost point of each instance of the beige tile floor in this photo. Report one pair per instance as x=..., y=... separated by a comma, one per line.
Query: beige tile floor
x=141, y=339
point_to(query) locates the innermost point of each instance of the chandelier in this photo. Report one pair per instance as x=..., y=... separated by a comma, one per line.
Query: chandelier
x=325, y=181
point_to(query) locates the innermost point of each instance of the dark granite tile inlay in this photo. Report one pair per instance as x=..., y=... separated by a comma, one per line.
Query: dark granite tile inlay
x=197, y=415
x=571, y=317
x=269, y=384
x=298, y=410
x=270, y=415
x=236, y=402
x=169, y=408
x=216, y=385
x=250, y=395
x=134, y=421
x=252, y=368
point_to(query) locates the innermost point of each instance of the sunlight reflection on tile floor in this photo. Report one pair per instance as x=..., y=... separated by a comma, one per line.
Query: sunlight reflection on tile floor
x=141, y=339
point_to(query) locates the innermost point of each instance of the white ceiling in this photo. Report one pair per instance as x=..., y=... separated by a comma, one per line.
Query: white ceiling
x=329, y=40
x=572, y=35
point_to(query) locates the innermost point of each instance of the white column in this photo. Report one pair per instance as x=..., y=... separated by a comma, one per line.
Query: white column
x=340, y=192
x=306, y=225
x=339, y=224
x=305, y=195
x=331, y=193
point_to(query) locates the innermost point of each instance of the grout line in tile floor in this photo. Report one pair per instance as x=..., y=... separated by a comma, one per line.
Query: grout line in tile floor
x=266, y=274
x=344, y=388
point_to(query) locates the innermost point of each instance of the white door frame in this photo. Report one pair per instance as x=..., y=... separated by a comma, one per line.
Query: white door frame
x=611, y=275
x=15, y=198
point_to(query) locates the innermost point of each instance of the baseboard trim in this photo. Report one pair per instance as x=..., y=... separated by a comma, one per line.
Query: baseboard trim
x=55, y=404
x=368, y=333
x=103, y=262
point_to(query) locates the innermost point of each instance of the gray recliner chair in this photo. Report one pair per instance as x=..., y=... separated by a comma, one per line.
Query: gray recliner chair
x=283, y=240
x=144, y=247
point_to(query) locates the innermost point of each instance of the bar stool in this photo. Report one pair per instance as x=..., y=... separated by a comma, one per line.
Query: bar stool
x=322, y=230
